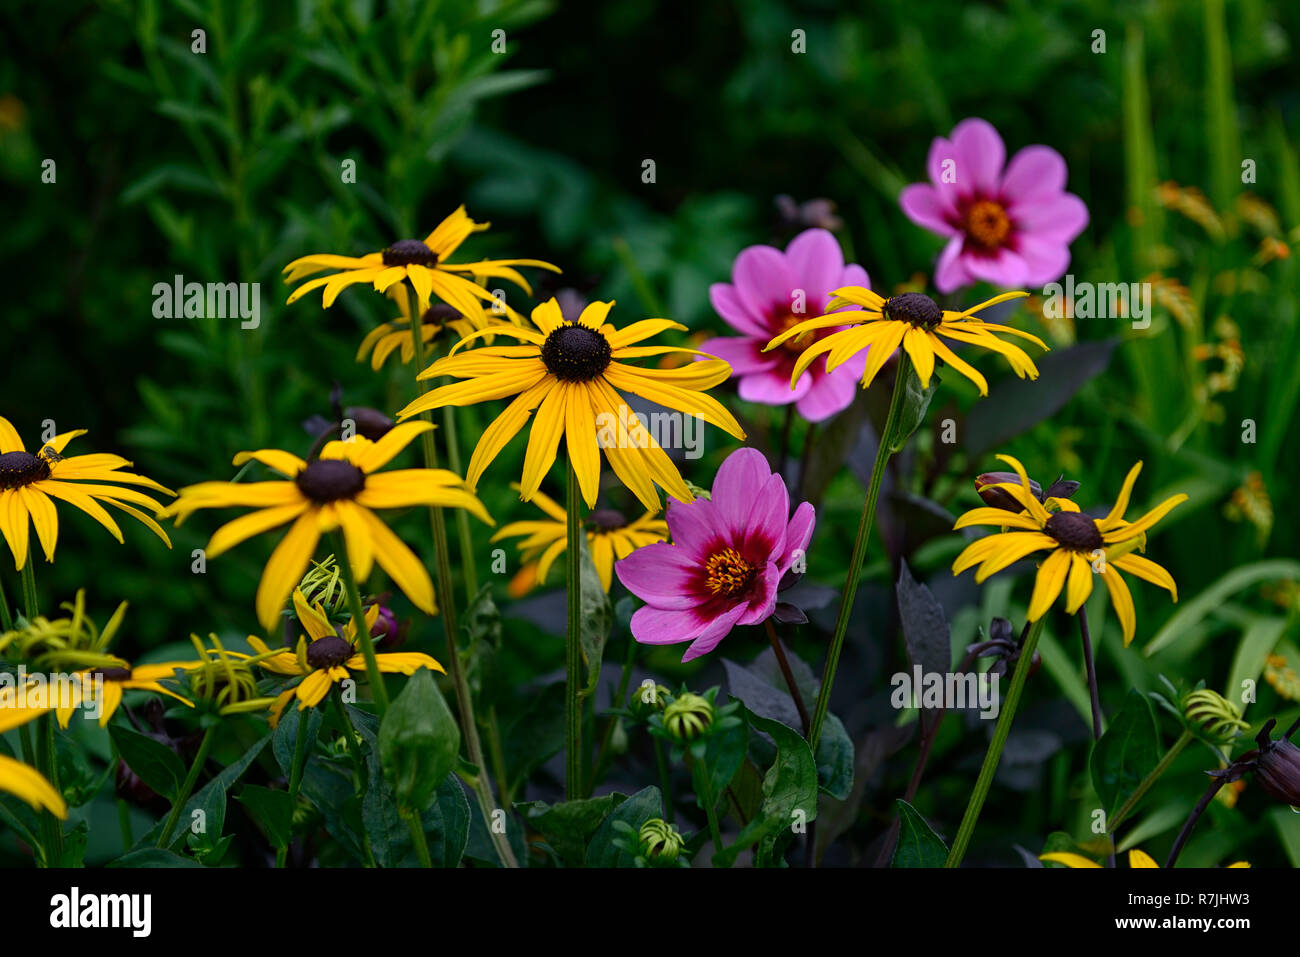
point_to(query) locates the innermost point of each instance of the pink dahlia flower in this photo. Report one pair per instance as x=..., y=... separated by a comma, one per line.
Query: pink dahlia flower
x=769, y=292
x=726, y=559
x=1011, y=227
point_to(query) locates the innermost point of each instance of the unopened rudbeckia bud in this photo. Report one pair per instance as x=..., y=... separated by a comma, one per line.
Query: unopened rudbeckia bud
x=688, y=716
x=1216, y=715
x=660, y=843
x=986, y=487
x=1277, y=769
x=387, y=631
x=649, y=699
x=370, y=423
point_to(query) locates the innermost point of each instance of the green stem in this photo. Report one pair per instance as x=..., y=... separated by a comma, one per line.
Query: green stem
x=373, y=674
x=573, y=642
x=359, y=782
x=664, y=780
x=705, y=794
x=418, y=839
x=620, y=699
x=295, y=779
x=1127, y=807
x=6, y=616
x=463, y=533
x=456, y=670
x=183, y=795
x=47, y=764
x=883, y=453
x=29, y=589
x=994, y=755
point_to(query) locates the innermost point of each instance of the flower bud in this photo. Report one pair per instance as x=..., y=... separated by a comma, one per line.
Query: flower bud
x=687, y=717
x=387, y=631
x=370, y=423
x=1218, y=717
x=1277, y=768
x=660, y=843
x=986, y=487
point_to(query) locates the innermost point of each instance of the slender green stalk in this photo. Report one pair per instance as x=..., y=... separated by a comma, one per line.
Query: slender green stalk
x=30, y=603
x=467, y=567
x=373, y=674
x=450, y=627
x=705, y=793
x=883, y=454
x=620, y=699
x=295, y=779
x=418, y=839
x=779, y=650
x=1090, y=664
x=183, y=795
x=1192, y=818
x=46, y=757
x=1127, y=807
x=573, y=642
x=6, y=616
x=994, y=755
x=359, y=781
x=664, y=780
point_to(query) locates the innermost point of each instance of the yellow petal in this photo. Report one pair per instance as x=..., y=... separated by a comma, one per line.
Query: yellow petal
x=1048, y=583
x=285, y=568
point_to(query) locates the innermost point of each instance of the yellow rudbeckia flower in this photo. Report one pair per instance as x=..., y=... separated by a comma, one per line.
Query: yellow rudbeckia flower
x=1080, y=547
x=28, y=784
x=610, y=536
x=382, y=341
x=1137, y=859
x=328, y=657
x=422, y=262
x=341, y=489
x=570, y=372
x=28, y=483
x=115, y=682
x=911, y=320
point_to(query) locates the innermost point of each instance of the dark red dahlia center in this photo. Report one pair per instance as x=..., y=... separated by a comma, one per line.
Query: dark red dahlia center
x=328, y=480
x=575, y=353
x=987, y=224
x=409, y=252
x=915, y=308
x=1074, y=531
x=727, y=574
x=607, y=519
x=22, y=468
x=328, y=652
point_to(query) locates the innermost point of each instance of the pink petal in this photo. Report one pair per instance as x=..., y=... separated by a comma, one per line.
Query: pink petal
x=950, y=272
x=1062, y=217
x=817, y=260
x=740, y=476
x=830, y=393
x=712, y=636
x=1036, y=172
x=661, y=574
x=1003, y=268
x=767, y=511
x=927, y=207
x=797, y=535
x=763, y=600
x=657, y=626
x=729, y=306
x=744, y=355
x=1046, y=260
x=854, y=275
x=773, y=388
x=764, y=280
x=941, y=151
x=695, y=527
x=980, y=154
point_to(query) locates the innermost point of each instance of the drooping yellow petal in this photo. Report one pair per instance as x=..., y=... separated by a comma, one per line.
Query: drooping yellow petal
x=13, y=525
x=1079, y=584
x=10, y=440
x=1137, y=858
x=1025, y=494
x=1122, y=601
x=580, y=432
x=996, y=516
x=1015, y=546
x=1048, y=583
x=285, y=567
x=44, y=518
x=1147, y=570
x=390, y=444
x=505, y=427
x=544, y=438
x=965, y=368
x=1134, y=529
x=30, y=786
x=286, y=463
x=1116, y=514
x=406, y=571
x=254, y=523
x=917, y=344
x=640, y=331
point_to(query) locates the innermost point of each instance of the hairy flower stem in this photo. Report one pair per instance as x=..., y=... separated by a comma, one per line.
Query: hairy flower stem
x=883, y=453
x=1091, y=664
x=779, y=651
x=463, y=533
x=1192, y=818
x=442, y=573
x=295, y=780
x=46, y=756
x=1127, y=807
x=373, y=674
x=183, y=795
x=573, y=642
x=994, y=755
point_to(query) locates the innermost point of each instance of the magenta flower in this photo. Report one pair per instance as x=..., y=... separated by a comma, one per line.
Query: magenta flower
x=726, y=559
x=769, y=292
x=1009, y=227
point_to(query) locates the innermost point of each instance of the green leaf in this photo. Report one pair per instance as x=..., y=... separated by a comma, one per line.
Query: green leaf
x=1256, y=644
x=789, y=796
x=272, y=809
x=643, y=806
x=445, y=822
x=1277, y=569
x=916, y=401
x=597, y=618
x=153, y=857
x=918, y=845
x=724, y=753
x=418, y=742
x=153, y=762
x=568, y=826
x=1126, y=753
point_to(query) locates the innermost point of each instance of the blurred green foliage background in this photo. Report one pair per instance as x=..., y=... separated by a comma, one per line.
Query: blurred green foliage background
x=225, y=165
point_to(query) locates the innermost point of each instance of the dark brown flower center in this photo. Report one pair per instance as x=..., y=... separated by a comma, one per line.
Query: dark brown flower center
x=607, y=519
x=915, y=308
x=22, y=468
x=575, y=353
x=328, y=480
x=328, y=652
x=410, y=252
x=987, y=224
x=113, y=674
x=727, y=574
x=1074, y=531
x=439, y=314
